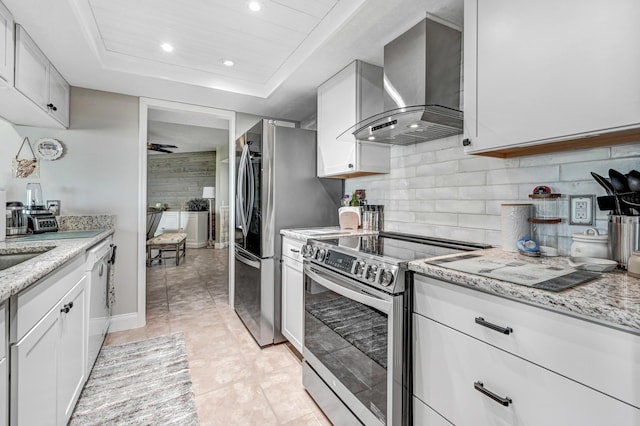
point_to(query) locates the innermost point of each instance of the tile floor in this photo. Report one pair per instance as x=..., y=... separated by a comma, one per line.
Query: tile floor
x=235, y=382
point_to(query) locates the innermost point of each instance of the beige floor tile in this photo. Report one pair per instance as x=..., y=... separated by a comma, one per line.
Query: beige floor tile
x=237, y=404
x=234, y=381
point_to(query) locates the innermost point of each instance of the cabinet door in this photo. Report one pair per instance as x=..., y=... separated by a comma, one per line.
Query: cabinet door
x=6, y=45
x=32, y=70
x=4, y=392
x=336, y=113
x=170, y=221
x=72, y=356
x=33, y=373
x=536, y=72
x=292, y=302
x=58, y=96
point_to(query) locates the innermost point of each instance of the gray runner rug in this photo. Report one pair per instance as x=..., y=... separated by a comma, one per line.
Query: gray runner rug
x=139, y=383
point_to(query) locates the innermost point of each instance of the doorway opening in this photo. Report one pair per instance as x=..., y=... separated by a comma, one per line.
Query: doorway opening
x=185, y=157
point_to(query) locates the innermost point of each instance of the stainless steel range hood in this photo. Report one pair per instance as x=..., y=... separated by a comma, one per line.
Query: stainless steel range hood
x=421, y=88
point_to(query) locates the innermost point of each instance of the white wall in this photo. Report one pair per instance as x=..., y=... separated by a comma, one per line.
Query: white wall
x=97, y=174
x=434, y=189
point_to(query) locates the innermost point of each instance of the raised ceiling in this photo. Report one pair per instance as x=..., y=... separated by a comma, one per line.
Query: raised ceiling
x=281, y=54
x=265, y=46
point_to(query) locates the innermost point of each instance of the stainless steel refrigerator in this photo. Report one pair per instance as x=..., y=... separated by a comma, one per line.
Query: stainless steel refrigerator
x=276, y=189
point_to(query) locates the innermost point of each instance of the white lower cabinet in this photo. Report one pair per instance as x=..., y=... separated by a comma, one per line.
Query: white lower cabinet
x=292, y=292
x=194, y=224
x=471, y=374
x=48, y=361
x=4, y=369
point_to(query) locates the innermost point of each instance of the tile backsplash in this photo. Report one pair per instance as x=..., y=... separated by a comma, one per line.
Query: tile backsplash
x=434, y=189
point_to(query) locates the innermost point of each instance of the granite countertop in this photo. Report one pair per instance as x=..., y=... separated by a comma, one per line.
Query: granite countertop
x=323, y=233
x=612, y=300
x=20, y=276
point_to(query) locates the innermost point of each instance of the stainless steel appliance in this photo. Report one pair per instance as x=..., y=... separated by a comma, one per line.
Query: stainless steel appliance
x=276, y=188
x=356, y=322
x=16, y=218
x=421, y=87
x=39, y=219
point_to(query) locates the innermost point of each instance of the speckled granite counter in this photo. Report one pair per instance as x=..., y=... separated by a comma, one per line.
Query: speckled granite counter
x=20, y=276
x=323, y=233
x=613, y=299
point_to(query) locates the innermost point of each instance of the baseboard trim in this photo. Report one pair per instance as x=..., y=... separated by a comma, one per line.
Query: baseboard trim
x=221, y=245
x=125, y=322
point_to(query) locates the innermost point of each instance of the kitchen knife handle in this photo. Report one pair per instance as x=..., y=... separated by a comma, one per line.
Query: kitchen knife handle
x=503, y=330
x=479, y=386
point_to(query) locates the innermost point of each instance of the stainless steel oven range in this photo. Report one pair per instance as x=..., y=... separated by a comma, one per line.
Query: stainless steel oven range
x=355, y=324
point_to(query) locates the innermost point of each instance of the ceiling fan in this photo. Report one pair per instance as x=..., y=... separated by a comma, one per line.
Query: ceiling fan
x=160, y=147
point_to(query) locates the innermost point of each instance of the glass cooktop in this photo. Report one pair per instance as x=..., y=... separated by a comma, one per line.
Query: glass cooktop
x=402, y=247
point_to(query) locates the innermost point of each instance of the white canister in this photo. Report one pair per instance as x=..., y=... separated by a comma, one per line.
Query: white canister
x=590, y=243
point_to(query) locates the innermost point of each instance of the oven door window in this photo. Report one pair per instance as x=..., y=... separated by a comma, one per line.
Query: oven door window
x=350, y=339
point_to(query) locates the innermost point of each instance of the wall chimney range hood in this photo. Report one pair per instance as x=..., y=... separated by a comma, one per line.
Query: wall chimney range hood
x=421, y=88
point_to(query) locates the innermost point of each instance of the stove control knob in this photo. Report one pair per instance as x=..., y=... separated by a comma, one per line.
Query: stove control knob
x=307, y=250
x=320, y=255
x=386, y=277
x=371, y=273
x=358, y=270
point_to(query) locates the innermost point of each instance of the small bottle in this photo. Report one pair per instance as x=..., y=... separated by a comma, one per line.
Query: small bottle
x=354, y=200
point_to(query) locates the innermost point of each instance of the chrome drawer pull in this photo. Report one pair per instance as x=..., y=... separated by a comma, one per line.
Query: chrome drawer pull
x=502, y=401
x=503, y=330
x=294, y=250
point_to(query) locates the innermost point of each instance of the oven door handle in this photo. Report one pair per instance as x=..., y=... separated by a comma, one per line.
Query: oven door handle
x=348, y=290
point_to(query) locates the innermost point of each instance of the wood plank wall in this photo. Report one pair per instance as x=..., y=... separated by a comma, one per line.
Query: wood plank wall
x=176, y=178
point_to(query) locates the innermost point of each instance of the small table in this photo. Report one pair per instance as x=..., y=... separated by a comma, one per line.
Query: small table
x=170, y=241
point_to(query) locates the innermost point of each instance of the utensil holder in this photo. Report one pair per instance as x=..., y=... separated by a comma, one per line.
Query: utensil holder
x=624, y=237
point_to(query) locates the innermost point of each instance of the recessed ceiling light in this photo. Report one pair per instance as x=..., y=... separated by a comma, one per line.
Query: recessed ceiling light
x=227, y=63
x=413, y=126
x=372, y=138
x=255, y=6
x=167, y=47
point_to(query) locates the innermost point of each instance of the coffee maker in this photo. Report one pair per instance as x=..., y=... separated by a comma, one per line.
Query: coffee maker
x=39, y=219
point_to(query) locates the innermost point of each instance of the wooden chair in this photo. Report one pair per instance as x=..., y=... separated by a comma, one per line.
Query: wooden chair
x=167, y=241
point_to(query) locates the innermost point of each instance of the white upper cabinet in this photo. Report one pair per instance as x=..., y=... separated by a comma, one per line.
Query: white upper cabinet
x=541, y=72
x=37, y=79
x=58, y=96
x=348, y=97
x=6, y=46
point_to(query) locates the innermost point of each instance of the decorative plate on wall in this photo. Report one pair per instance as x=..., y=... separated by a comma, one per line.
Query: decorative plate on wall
x=49, y=148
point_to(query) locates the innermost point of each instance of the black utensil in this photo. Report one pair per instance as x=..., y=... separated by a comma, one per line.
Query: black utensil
x=618, y=181
x=607, y=202
x=603, y=183
x=633, y=180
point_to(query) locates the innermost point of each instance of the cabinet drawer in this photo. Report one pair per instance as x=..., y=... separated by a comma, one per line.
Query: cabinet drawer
x=592, y=354
x=292, y=248
x=423, y=415
x=450, y=363
x=33, y=303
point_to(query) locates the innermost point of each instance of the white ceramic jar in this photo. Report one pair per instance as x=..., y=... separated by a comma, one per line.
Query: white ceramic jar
x=633, y=266
x=590, y=243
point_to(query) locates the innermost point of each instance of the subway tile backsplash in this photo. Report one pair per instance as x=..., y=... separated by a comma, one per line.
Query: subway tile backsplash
x=434, y=189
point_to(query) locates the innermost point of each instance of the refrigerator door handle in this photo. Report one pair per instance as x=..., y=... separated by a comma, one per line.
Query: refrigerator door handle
x=252, y=188
x=242, y=257
x=240, y=188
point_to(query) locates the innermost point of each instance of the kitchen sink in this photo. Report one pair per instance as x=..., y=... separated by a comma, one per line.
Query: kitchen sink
x=7, y=260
